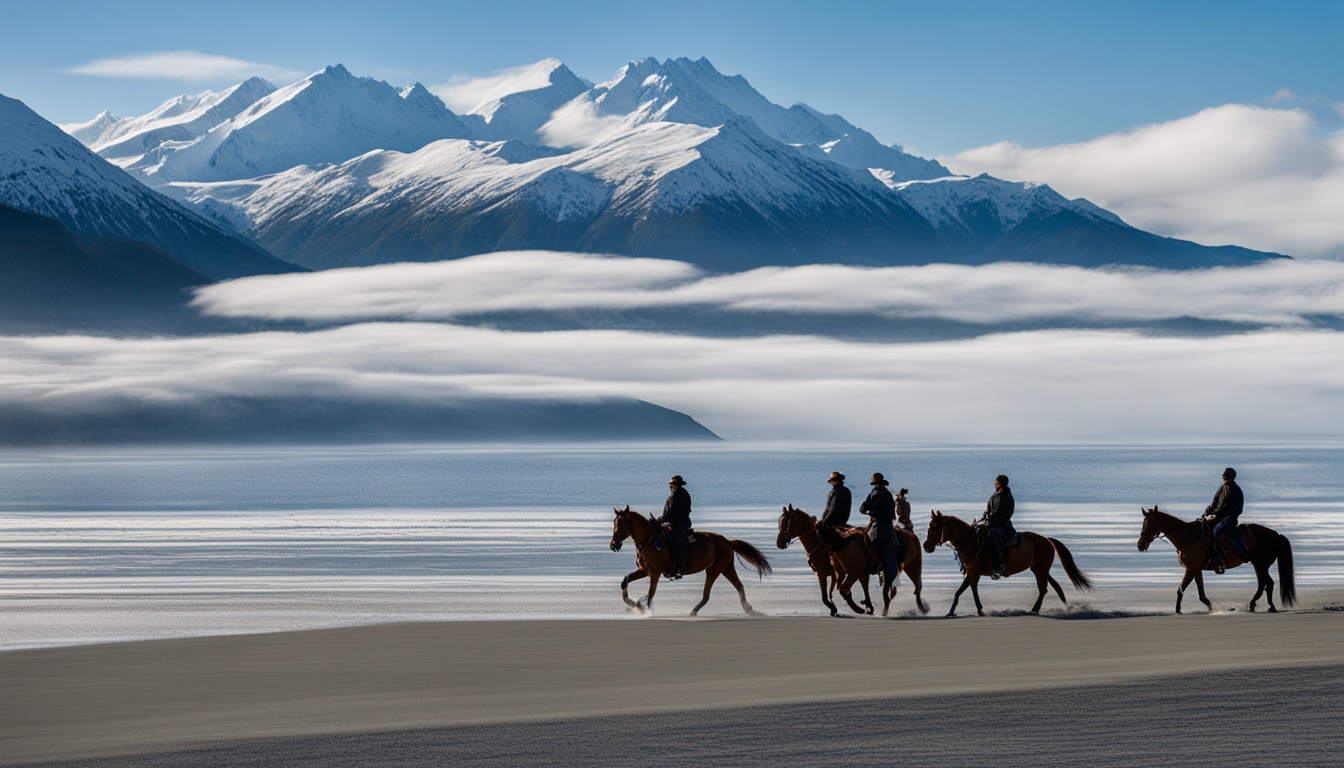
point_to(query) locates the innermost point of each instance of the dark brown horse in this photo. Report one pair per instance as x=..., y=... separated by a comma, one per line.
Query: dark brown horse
x=1193, y=549
x=1032, y=551
x=710, y=553
x=852, y=563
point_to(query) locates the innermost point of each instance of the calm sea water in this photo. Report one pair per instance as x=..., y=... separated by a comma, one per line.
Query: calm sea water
x=99, y=545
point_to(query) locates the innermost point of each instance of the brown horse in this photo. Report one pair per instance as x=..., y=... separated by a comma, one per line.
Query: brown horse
x=1193, y=549
x=853, y=562
x=1032, y=551
x=710, y=553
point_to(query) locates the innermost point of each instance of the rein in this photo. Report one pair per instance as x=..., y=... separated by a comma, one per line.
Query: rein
x=639, y=548
x=807, y=551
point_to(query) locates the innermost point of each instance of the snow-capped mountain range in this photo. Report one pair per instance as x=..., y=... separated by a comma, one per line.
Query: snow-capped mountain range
x=47, y=172
x=667, y=158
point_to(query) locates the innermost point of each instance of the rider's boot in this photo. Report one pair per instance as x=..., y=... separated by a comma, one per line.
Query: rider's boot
x=1218, y=558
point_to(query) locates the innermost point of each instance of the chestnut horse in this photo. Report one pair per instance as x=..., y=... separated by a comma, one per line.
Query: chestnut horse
x=1032, y=551
x=852, y=563
x=1193, y=550
x=710, y=553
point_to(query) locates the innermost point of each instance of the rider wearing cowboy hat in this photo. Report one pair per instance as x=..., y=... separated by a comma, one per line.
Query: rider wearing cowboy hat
x=836, y=516
x=881, y=509
x=677, y=516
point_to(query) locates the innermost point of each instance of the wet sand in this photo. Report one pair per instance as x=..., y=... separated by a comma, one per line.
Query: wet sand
x=1003, y=691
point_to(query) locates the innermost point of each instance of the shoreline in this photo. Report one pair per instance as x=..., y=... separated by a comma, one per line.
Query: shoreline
x=161, y=696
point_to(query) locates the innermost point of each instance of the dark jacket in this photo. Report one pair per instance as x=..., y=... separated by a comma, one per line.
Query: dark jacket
x=838, y=503
x=881, y=507
x=1227, y=502
x=999, y=511
x=677, y=509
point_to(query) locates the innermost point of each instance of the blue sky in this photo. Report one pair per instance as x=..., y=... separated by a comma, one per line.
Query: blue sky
x=939, y=77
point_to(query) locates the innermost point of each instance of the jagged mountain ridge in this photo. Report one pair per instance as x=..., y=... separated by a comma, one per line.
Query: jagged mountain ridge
x=730, y=195
x=342, y=182
x=45, y=171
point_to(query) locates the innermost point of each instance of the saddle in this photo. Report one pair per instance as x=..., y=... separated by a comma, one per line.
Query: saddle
x=875, y=561
x=835, y=536
x=660, y=540
x=1241, y=534
x=1011, y=537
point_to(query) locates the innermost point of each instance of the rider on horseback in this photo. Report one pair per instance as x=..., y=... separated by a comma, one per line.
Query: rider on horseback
x=997, y=522
x=1223, y=513
x=881, y=509
x=903, y=510
x=677, y=516
x=836, y=516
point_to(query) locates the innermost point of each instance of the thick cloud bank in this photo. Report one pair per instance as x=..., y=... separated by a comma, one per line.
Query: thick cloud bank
x=1279, y=293
x=1037, y=387
x=1262, y=178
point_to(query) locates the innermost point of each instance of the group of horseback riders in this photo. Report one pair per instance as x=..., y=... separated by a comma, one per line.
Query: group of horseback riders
x=886, y=511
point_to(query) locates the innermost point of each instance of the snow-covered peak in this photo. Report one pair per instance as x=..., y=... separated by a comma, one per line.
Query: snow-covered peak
x=328, y=117
x=693, y=91
x=179, y=119
x=91, y=131
x=481, y=96
x=952, y=200
x=46, y=171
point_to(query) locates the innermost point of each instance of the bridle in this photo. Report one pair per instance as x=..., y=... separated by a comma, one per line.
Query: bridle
x=786, y=528
x=621, y=518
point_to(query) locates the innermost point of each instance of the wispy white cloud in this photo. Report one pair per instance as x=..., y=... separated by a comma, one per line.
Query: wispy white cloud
x=189, y=66
x=1264, y=178
x=467, y=94
x=578, y=124
x=1048, y=386
x=1281, y=292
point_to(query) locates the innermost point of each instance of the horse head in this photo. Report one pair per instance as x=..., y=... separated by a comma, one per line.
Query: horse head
x=621, y=529
x=785, y=528
x=935, y=535
x=1150, y=530
x=791, y=525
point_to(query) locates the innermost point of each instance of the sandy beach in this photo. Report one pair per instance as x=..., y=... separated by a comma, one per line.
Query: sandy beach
x=971, y=691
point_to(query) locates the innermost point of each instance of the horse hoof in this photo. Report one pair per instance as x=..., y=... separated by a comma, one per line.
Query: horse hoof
x=950, y=616
x=1272, y=609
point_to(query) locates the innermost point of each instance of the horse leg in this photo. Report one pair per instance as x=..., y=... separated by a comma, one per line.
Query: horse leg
x=825, y=591
x=1185, y=582
x=730, y=573
x=710, y=576
x=1263, y=583
x=888, y=592
x=867, y=596
x=919, y=588
x=847, y=591
x=1041, y=585
x=1199, y=584
x=625, y=588
x=966, y=582
x=975, y=593
x=1058, y=590
x=647, y=602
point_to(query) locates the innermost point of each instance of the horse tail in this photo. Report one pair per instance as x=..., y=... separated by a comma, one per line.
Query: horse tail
x=751, y=555
x=1287, y=587
x=1079, y=579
